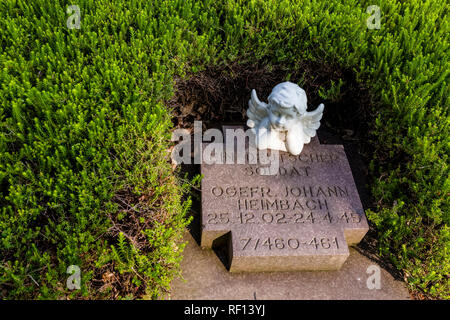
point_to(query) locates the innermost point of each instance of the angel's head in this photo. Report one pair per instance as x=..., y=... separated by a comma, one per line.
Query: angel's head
x=287, y=103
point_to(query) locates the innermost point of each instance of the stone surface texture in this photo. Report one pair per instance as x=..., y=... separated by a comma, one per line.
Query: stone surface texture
x=302, y=218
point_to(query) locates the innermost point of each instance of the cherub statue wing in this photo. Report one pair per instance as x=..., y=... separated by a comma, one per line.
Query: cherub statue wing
x=256, y=111
x=311, y=122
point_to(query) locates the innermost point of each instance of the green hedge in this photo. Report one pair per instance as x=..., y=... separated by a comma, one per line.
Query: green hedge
x=84, y=129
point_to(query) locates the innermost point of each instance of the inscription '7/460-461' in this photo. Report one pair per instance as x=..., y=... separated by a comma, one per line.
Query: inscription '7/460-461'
x=290, y=243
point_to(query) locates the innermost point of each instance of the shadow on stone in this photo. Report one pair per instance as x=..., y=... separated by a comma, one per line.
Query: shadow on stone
x=221, y=247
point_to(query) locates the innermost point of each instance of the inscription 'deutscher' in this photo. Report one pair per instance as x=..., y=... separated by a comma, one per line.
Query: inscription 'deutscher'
x=302, y=217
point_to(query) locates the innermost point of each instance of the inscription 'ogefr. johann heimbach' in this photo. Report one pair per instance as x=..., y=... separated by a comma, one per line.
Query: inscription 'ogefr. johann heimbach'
x=304, y=204
x=301, y=218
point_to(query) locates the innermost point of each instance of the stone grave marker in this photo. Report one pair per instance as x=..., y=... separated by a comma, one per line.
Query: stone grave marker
x=302, y=218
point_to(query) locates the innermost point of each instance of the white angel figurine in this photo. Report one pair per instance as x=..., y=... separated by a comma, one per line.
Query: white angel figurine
x=283, y=124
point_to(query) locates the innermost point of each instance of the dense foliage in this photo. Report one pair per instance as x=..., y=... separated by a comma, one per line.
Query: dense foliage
x=84, y=173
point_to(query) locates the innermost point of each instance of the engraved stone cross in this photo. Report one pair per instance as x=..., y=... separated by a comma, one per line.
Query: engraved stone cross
x=302, y=218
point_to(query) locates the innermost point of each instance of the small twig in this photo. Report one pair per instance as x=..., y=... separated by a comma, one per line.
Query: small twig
x=138, y=274
x=33, y=279
x=133, y=208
